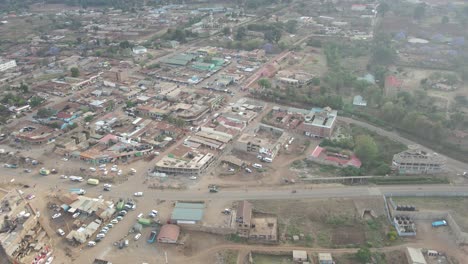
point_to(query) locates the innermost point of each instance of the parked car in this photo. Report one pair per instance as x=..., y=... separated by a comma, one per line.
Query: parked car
x=60, y=232
x=138, y=194
x=101, y=235
x=30, y=196
x=75, y=215
x=63, y=177
x=114, y=221
x=57, y=215
x=92, y=169
x=137, y=236
x=91, y=243
x=193, y=178
x=119, y=218
x=27, y=170
x=123, y=213
x=111, y=225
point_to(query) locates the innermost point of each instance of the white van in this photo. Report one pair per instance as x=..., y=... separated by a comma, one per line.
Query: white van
x=137, y=236
x=91, y=244
x=248, y=170
x=257, y=166
x=268, y=160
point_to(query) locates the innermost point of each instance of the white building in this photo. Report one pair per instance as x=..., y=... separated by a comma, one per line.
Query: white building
x=5, y=65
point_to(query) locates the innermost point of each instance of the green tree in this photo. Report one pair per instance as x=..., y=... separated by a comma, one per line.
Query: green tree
x=445, y=20
x=35, y=101
x=366, y=149
x=130, y=104
x=419, y=11
x=265, y=83
x=364, y=255
x=227, y=31
x=88, y=118
x=75, y=72
x=291, y=26
x=383, y=8
x=125, y=44
x=24, y=88
x=45, y=112
x=241, y=33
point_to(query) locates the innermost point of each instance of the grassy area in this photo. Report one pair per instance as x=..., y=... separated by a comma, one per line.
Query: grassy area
x=457, y=206
x=409, y=180
x=271, y=259
x=229, y=256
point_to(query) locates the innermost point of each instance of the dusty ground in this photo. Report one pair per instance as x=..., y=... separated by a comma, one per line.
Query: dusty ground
x=325, y=223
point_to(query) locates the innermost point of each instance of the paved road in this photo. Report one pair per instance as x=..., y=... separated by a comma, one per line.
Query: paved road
x=321, y=192
x=453, y=164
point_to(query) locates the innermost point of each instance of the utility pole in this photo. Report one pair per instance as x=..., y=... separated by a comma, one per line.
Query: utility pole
x=165, y=255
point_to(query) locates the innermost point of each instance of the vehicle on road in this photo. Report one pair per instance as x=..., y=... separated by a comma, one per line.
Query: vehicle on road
x=60, y=232
x=138, y=194
x=30, y=196
x=137, y=236
x=76, y=178
x=152, y=237
x=439, y=223
x=107, y=187
x=92, y=169
x=27, y=170
x=78, y=191
x=122, y=213
x=75, y=215
x=193, y=178
x=93, y=181
x=44, y=172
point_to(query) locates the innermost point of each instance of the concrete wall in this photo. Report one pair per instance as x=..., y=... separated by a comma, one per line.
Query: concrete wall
x=217, y=230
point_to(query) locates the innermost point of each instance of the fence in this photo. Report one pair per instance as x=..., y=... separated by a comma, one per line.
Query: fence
x=461, y=237
x=217, y=230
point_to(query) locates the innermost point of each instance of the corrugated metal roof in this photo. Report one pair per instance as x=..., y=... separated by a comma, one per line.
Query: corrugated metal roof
x=187, y=214
x=190, y=205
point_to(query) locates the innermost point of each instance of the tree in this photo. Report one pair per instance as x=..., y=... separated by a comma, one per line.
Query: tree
x=364, y=255
x=445, y=20
x=45, y=112
x=24, y=88
x=264, y=83
x=88, y=118
x=227, y=31
x=130, y=104
x=125, y=44
x=35, y=101
x=291, y=26
x=241, y=33
x=383, y=8
x=419, y=11
x=366, y=149
x=75, y=72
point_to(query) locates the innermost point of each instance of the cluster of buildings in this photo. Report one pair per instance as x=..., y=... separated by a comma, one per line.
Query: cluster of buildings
x=317, y=122
x=23, y=237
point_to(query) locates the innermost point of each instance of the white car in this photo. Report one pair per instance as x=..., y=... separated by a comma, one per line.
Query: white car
x=63, y=177
x=101, y=235
x=138, y=194
x=75, y=215
x=102, y=169
x=193, y=178
x=91, y=244
x=55, y=216
x=65, y=159
x=102, y=166
x=114, y=221
x=114, y=169
x=60, y=232
x=92, y=169
x=104, y=230
x=137, y=236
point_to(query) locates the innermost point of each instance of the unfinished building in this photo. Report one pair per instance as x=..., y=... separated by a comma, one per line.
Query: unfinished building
x=418, y=161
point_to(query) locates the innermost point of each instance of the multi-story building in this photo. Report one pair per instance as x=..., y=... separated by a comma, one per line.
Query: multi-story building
x=259, y=228
x=5, y=65
x=418, y=161
x=319, y=122
x=190, y=162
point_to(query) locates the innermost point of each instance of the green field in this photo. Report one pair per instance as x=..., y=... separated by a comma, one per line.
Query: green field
x=271, y=259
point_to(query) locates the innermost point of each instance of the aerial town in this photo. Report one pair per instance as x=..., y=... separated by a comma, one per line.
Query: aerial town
x=234, y=131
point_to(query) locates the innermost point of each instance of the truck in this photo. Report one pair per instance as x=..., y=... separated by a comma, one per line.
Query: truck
x=120, y=205
x=439, y=223
x=93, y=181
x=78, y=191
x=152, y=237
x=144, y=221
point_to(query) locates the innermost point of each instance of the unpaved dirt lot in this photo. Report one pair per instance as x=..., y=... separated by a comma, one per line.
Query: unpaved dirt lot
x=325, y=223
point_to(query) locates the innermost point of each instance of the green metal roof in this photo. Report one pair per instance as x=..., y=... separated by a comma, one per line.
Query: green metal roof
x=188, y=211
